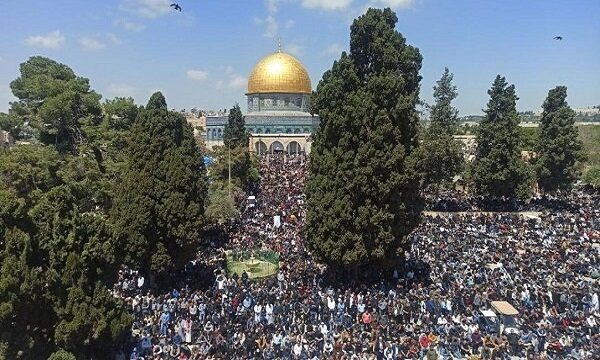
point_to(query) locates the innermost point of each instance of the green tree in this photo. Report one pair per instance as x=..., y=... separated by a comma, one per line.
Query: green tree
x=498, y=169
x=25, y=317
x=592, y=176
x=529, y=137
x=362, y=193
x=220, y=205
x=62, y=355
x=107, y=140
x=442, y=114
x=57, y=247
x=244, y=166
x=441, y=157
x=13, y=124
x=29, y=170
x=235, y=133
x=55, y=102
x=159, y=202
x=558, y=148
x=120, y=112
x=51, y=246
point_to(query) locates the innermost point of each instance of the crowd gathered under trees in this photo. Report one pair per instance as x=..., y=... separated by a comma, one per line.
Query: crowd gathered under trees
x=113, y=233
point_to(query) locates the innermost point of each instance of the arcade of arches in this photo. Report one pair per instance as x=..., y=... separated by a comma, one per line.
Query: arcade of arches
x=280, y=143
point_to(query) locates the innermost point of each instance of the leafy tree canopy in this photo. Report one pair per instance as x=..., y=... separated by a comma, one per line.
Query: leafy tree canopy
x=62, y=355
x=592, y=176
x=159, y=203
x=440, y=157
x=244, y=166
x=362, y=193
x=14, y=125
x=498, y=169
x=57, y=246
x=53, y=243
x=442, y=114
x=529, y=138
x=558, y=148
x=221, y=206
x=55, y=102
x=235, y=134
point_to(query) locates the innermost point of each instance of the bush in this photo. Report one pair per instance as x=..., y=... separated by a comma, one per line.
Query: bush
x=592, y=176
x=62, y=355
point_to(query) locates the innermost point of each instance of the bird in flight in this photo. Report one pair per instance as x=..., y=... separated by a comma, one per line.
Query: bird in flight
x=176, y=6
x=558, y=38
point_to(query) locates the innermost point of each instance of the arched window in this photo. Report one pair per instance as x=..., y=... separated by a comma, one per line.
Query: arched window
x=294, y=148
x=276, y=147
x=260, y=147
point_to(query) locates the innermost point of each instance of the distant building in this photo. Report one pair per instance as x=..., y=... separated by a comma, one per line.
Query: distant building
x=278, y=102
x=197, y=122
x=587, y=112
x=578, y=111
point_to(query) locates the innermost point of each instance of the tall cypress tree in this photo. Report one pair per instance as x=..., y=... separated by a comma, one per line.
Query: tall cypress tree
x=498, y=169
x=159, y=203
x=558, y=147
x=235, y=133
x=442, y=114
x=440, y=155
x=362, y=194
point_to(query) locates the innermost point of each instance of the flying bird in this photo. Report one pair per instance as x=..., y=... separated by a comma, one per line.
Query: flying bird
x=558, y=38
x=176, y=6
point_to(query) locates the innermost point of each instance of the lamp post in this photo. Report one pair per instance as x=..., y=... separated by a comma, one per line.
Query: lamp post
x=229, y=162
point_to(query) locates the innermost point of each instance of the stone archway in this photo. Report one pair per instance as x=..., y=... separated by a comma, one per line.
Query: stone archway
x=289, y=143
x=294, y=148
x=276, y=146
x=260, y=147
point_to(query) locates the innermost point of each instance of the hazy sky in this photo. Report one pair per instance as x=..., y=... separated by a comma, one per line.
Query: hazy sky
x=201, y=57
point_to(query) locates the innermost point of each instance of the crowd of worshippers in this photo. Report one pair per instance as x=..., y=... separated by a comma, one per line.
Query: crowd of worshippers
x=462, y=201
x=545, y=265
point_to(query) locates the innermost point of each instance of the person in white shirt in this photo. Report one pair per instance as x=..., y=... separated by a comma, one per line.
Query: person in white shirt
x=269, y=313
x=594, y=306
x=323, y=328
x=257, y=312
x=297, y=349
x=330, y=303
x=328, y=347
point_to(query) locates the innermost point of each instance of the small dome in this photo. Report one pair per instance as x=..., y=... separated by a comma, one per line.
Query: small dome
x=279, y=73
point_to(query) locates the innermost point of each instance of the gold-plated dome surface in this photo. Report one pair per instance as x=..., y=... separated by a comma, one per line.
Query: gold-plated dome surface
x=279, y=73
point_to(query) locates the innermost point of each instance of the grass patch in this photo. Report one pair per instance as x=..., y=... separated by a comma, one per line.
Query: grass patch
x=266, y=263
x=261, y=270
x=590, y=136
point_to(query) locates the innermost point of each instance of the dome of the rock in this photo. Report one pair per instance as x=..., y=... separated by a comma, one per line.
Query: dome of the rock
x=279, y=73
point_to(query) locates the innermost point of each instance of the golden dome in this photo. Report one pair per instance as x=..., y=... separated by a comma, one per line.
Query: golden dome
x=279, y=73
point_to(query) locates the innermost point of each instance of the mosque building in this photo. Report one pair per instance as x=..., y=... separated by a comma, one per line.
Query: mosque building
x=278, y=103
